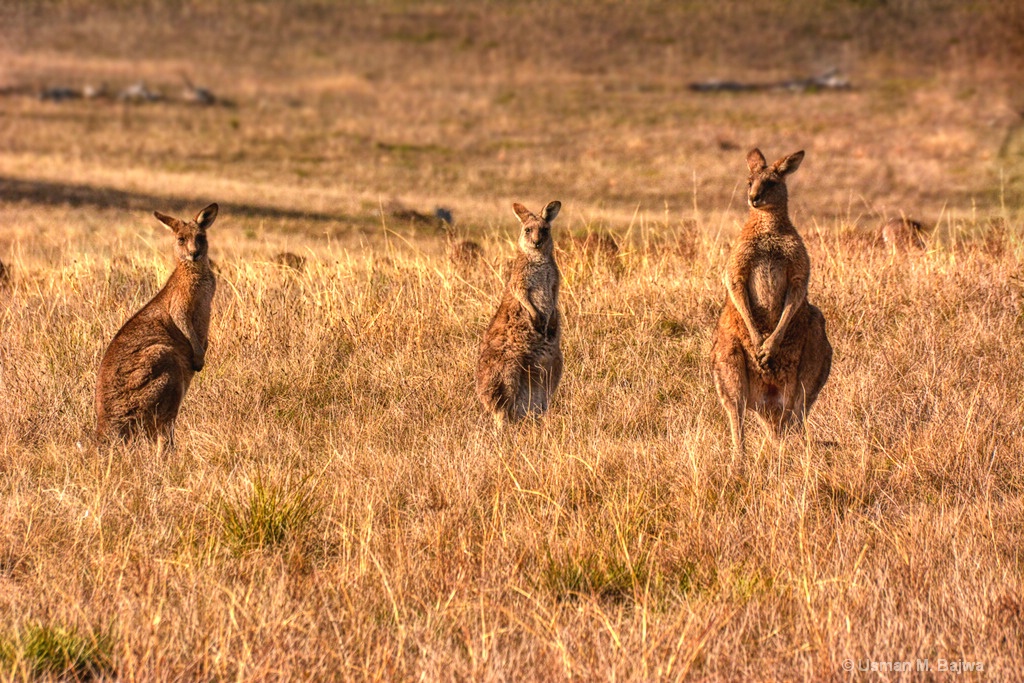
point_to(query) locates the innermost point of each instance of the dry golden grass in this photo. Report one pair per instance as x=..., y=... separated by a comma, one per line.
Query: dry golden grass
x=339, y=507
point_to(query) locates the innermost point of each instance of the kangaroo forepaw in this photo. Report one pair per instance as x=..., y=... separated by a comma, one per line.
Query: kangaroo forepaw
x=765, y=357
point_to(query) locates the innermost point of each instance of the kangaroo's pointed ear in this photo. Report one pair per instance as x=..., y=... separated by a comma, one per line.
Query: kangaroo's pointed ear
x=521, y=212
x=551, y=210
x=787, y=165
x=755, y=160
x=207, y=216
x=170, y=221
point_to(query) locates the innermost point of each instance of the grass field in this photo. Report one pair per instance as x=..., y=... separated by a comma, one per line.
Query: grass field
x=339, y=506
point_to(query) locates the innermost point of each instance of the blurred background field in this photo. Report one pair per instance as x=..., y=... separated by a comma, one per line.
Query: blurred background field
x=339, y=506
x=338, y=106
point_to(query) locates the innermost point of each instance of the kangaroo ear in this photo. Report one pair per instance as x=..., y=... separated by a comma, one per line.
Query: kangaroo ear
x=787, y=165
x=170, y=221
x=551, y=210
x=521, y=212
x=755, y=160
x=207, y=216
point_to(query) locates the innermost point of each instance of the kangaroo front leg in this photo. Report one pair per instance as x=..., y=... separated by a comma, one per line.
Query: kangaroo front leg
x=738, y=295
x=523, y=297
x=796, y=295
x=184, y=323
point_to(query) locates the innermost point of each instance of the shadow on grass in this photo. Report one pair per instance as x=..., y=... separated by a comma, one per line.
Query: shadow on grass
x=52, y=193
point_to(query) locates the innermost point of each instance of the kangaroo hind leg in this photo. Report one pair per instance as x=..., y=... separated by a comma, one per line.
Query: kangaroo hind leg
x=733, y=387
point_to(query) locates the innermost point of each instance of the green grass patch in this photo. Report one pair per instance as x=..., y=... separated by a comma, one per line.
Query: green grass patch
x=613, y=577
x=64, y=652
x=411, y=148
x=267, y=516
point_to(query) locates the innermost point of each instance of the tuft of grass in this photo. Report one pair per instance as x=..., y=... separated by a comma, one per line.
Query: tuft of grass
x=593, y=574
x=613, y=577
x=60, y=651
x=266, y=517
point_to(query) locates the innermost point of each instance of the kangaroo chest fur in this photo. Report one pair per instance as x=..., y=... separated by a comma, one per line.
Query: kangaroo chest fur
x=766, y=286
x=771, y=261
x=189, y=295
x=540, y=280
x=542, y=283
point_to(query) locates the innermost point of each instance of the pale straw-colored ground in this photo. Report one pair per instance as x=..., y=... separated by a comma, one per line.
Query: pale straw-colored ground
x=339, y=506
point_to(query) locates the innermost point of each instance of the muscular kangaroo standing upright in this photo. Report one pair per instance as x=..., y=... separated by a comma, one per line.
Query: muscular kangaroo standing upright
x=520, y=362
x=149, y=365
x=770, y=351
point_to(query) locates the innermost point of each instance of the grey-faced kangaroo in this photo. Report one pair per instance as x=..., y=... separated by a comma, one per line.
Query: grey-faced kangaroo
x=149, y=364
x=902, y=234
x=520, y=363
x=770, y=351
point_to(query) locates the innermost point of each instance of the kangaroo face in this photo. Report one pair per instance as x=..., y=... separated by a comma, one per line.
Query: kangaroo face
x=766, y=190
x=190, y=237
x=535, y=236
x=766, y=187
x=190, y=243
x=536, y=233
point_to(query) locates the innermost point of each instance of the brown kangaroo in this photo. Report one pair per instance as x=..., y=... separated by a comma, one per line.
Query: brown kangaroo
x=290, y=260
x=598, y=247
x=520, y=362
x=770, y=351
x=903, y=234
x=148, y=366
x=461, y=252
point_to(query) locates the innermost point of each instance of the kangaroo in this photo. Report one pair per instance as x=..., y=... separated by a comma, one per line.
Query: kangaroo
x=149, y=365
x=520, y=363
x=598, y=247
x=902, y=234
x=464, y=253
x=290, y=260
x=594, y=244
x=461, y=252
x=770, y=351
